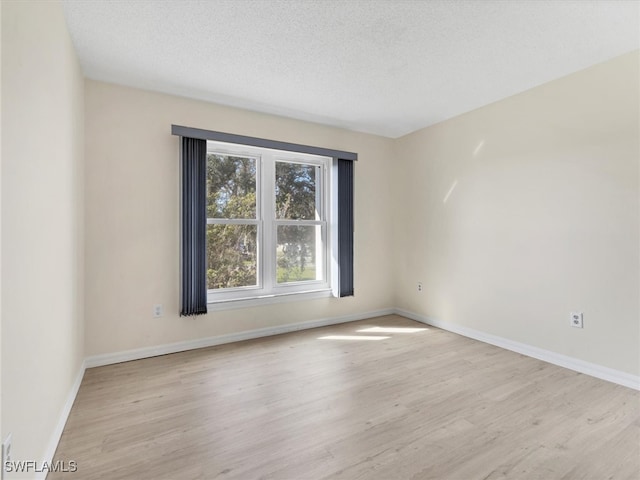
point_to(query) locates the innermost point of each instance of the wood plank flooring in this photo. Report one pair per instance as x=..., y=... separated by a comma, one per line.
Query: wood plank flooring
x=424, y=404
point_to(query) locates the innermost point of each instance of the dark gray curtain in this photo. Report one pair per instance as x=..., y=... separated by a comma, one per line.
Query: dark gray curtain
x=345, y=227
x=193, y=288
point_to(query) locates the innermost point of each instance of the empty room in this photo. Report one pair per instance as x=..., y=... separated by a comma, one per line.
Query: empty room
x=320, y=239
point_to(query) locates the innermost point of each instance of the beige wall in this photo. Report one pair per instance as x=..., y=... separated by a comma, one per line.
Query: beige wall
x=1, y=430
x=42, y=297
x=132, y=220
x=541, y=217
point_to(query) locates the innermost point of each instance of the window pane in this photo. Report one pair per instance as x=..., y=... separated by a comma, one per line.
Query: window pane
x=232, y=256
x=231, y=186
x=298, y=253
x=296, y=191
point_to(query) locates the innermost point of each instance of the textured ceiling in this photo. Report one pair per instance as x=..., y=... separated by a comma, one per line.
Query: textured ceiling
x=387, y=67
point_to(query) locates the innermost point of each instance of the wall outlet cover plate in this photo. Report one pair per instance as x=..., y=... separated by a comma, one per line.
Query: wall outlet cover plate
x=576, y=320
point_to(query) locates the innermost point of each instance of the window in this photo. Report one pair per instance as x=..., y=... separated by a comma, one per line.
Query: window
x=268, y=222
x=262, y=218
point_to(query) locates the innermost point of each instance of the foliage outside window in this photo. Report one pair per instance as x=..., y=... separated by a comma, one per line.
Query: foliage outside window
x=266, y=222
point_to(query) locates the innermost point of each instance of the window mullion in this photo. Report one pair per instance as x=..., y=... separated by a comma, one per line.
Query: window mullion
x=268, y=214
x=259, y=214
x=232, y=221
x=299, y=222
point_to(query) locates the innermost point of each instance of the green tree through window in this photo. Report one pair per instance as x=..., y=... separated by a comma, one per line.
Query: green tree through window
x=296, y=199
x=232, y=249
x=266, y=225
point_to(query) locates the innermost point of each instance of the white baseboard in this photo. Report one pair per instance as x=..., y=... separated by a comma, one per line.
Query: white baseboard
x=62, y=420
x=592, y=369
x=154, y=351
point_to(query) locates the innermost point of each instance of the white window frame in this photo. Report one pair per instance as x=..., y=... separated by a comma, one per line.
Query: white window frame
x=267, y=289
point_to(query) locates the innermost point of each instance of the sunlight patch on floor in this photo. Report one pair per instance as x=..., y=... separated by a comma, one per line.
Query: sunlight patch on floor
x=351, y=337
x=392, y=330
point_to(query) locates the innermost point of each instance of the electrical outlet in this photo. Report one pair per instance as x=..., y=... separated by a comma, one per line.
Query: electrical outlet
x=576, y=320
x=157, y=310
x=6, y=455
x=420, y=286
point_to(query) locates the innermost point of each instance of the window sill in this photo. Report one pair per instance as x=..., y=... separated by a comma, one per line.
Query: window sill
x=218, y=305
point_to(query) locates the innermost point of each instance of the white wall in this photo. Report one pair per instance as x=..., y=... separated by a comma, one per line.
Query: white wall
x=42, y=253
x=520, y=212
x=132, y=220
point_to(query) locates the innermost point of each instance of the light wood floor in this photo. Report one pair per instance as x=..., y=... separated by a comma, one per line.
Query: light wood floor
x=421, y=405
